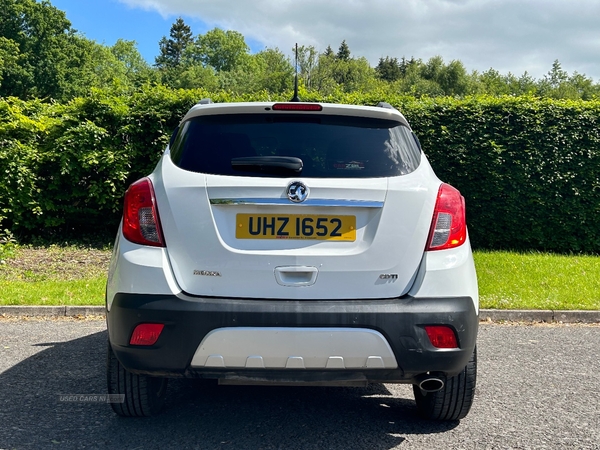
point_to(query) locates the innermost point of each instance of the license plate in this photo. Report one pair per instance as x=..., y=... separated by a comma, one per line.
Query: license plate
x=295, y=226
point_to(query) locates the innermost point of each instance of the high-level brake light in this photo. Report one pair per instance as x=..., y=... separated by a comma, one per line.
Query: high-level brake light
x=297, y=107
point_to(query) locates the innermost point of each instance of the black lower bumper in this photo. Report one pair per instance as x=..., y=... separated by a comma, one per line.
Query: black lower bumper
x=189, y=319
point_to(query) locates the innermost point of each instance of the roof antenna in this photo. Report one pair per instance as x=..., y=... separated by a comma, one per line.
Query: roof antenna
x=296, y=98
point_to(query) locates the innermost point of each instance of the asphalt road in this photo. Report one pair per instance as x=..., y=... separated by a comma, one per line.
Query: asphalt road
x=538, y=387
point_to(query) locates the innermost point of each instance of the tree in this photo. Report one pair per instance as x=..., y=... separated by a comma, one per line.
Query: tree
x=432, y=70
x=196, y=76
x=407, y=64
x=137, y=70
x=343, y=52
x=389, y=69
x=347, y=75
x=492, y=82
x=42, y=56
x=525, y=84
x=172, y=49
x=454, y=79
x=556, y=75
x=558, y=84
x=307, y=63
x=95, y=66
x=275, y=72
x=322, y=79
x=583, y=87
x=413, y=79
x=11, y=64
x=120, y=68
x=221, y=50
x=39, y=37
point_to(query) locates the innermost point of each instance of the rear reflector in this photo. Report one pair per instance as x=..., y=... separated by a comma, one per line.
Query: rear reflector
x=449, y=226
x=141, y=223
x=146, y=334
x=297, y=107
x=441, y=336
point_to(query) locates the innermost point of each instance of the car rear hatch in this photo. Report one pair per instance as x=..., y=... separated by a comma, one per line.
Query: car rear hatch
x=239, y=219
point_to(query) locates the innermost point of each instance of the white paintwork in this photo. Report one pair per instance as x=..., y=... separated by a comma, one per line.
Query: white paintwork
x=201, y=237
x=139, y=269
x=295, y=348
x=328, y=108
x=448, y=273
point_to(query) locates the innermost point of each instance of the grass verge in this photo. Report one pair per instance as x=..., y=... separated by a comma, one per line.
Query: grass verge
x=52, y=292
x=77, y=276
x=538, y=281
x=54, y=275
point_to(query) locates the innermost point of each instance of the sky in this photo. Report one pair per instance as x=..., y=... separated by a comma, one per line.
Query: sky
x=506, y=35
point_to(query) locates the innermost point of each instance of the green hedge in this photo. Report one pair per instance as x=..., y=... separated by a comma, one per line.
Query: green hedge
x=64, y=167
x=527, y=167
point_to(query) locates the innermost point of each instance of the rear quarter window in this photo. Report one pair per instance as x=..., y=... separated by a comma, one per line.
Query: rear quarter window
x=329, y=146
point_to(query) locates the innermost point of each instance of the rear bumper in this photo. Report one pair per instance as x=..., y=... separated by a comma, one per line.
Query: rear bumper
x=188, y=320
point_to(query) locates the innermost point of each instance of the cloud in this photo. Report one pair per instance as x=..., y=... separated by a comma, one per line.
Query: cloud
x=508, y=35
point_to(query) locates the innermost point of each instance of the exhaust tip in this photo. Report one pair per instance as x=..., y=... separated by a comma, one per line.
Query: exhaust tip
x=430, y=383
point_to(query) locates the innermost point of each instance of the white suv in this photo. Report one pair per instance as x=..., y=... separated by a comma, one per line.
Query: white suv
x=293, y=243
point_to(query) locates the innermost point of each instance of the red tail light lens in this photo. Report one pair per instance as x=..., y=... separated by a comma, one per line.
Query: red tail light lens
x=441, y=336
x=146, y=334
x=449, y=226
x=141, y=223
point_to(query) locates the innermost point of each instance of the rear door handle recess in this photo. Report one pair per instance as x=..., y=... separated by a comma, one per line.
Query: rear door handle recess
x=296, y=275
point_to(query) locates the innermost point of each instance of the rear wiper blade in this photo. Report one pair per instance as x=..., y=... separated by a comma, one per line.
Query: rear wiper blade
x=268, y=163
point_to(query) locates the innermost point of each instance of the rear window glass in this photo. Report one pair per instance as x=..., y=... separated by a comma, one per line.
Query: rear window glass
x=329, y=146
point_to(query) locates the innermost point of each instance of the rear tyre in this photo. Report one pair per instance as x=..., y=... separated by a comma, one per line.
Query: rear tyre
x=454, y=400
x=143, y=395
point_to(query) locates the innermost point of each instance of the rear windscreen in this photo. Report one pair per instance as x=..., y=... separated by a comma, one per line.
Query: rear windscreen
x=329, y=146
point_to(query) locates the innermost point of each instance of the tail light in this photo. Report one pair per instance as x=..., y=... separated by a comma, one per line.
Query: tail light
x=141, y=223
x=449, y=226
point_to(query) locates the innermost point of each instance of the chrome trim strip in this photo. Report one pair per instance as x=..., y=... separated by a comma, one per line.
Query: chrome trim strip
x=284, y=201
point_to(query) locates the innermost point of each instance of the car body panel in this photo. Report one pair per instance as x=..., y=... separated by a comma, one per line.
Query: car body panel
x=188, y=320
x=201, y=237
x=328, y=108
x=224, y=295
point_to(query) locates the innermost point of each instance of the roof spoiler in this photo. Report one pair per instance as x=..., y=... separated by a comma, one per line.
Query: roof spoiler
x=384, y=105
